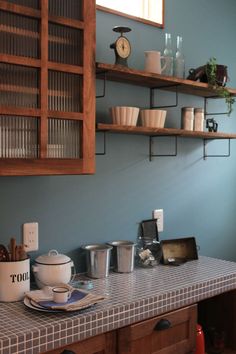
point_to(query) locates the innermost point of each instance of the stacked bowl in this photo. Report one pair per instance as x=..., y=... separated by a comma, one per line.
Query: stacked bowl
x=153, y=118
x=122, y=115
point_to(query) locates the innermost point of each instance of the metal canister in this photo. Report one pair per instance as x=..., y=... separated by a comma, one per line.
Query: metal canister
x=98, y=260
x=187, y=118
x=123, y=256
x=198, y=119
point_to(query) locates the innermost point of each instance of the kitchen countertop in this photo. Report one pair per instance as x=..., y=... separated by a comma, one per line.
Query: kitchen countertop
x=132, y=297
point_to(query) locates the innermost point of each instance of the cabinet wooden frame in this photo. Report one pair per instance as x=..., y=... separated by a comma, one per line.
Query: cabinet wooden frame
x=101, y=344
x=44, y=165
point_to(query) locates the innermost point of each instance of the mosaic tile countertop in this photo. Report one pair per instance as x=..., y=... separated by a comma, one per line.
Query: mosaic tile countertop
x=132, y=297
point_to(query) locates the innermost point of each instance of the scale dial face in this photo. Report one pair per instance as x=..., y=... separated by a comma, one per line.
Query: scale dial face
x=123, y=47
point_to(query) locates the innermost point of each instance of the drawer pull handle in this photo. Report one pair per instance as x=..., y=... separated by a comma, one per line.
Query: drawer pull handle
x=66, y=351
x=162, y=324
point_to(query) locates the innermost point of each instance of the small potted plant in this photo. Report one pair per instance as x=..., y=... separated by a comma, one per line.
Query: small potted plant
x=217, y=78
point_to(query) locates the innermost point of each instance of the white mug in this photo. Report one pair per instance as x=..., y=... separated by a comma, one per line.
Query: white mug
x=61, y=294
x=153, y=62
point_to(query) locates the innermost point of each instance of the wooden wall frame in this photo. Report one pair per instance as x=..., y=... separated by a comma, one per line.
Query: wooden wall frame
x=135, y=18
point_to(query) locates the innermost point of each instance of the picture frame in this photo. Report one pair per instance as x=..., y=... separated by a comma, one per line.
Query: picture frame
x=150, y=12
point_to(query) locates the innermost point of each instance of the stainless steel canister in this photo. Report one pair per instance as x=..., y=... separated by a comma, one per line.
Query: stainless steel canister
x=123, y=256
x=98, y=260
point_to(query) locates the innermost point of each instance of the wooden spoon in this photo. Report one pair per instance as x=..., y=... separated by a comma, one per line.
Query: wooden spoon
x=12, y=248
x=22, y=255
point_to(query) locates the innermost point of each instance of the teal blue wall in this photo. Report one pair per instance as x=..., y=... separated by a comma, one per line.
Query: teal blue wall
x=198, y=197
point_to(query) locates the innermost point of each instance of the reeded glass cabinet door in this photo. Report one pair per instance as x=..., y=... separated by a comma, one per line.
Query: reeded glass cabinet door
x=47, y=87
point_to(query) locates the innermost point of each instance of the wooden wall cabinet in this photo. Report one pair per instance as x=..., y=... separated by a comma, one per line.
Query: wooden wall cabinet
x=47, y=87
x=219, y=312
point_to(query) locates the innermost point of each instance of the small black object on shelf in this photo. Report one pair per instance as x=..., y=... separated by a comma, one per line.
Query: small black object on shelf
x=211, y=125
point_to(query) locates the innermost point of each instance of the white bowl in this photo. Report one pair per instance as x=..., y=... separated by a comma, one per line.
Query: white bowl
x=154, y=118
x=122, y=115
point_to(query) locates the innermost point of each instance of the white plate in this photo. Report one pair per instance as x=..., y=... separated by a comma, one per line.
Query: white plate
x=30, y=304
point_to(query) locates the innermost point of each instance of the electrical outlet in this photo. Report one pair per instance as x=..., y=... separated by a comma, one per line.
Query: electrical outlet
x=30, y=236
x=158, y=214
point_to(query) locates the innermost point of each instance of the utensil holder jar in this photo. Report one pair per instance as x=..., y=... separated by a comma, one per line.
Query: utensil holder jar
x=123, y=256
x=98, y=260
x=14, y=280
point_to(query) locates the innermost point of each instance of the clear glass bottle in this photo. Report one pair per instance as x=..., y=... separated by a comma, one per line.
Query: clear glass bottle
x=179, y=64
x=168, y=56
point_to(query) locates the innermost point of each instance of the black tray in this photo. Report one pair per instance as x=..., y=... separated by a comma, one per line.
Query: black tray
x=180, y=250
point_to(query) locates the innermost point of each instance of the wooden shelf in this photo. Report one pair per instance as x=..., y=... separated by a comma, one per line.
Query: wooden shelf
x=142, y=78
x=124, y=129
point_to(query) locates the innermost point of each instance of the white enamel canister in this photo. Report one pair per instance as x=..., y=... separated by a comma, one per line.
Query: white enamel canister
x=14, y=280
x=52, y=269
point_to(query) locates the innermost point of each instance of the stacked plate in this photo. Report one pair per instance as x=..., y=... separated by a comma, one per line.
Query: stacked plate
x=41, y=300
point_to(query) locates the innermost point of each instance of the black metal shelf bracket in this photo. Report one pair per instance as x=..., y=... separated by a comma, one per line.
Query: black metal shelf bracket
x=104, y=78
x=151, y=154
x=214, y=113
x=205, y=155
x=152, y=96
x=104, y=144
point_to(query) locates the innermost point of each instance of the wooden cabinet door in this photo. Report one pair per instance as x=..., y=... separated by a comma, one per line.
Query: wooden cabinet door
x=219, y=312
x=101, y=344
x=145, y=337
x=47, y=90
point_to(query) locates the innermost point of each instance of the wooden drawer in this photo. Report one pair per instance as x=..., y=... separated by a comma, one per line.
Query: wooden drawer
x=101, y=344
x=145, y=337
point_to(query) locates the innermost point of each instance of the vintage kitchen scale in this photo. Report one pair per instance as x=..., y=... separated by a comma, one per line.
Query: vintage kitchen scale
x=121, y=46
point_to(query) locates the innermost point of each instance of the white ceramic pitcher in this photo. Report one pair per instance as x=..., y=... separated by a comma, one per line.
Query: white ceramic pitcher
x=153, y=62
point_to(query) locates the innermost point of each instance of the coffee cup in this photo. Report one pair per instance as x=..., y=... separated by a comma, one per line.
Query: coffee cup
x=61, y=294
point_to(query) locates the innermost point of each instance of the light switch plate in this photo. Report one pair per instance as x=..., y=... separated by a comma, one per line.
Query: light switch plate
x=158, y=214
x=30, y=236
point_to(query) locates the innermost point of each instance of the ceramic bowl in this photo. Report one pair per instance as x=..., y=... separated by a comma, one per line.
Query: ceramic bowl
x=122, y=115
x=153, y=118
